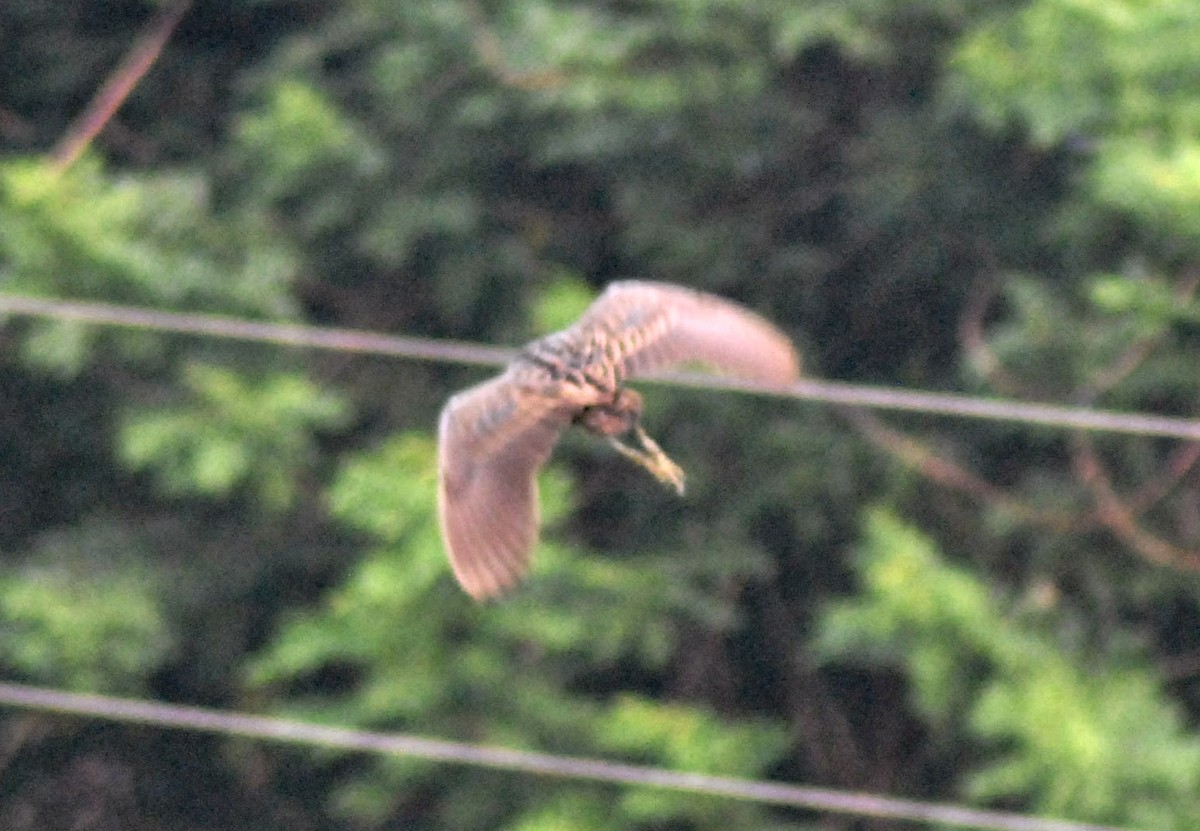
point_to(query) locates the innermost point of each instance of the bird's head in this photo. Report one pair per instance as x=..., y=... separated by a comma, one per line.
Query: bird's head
x=614, y=418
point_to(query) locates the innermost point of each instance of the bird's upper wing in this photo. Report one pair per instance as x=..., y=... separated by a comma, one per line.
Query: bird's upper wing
x=651, y=326
x=492, y=439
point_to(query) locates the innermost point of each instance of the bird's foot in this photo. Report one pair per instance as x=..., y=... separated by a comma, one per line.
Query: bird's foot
x=652, y=457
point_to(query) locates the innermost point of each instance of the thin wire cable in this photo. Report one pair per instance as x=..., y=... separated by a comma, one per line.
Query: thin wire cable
x=449, y=351
x=204, y=720
x=285, y=334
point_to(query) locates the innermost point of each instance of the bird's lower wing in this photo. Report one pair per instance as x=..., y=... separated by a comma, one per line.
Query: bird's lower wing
x=492, y=439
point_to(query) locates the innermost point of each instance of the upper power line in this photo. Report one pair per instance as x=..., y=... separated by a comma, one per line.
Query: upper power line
x=428, y=349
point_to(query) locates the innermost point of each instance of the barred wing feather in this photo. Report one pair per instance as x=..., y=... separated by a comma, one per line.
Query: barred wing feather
x=492, y=439
x=661, y=326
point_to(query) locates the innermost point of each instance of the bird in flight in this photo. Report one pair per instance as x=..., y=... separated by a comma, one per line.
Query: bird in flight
x=494, y=437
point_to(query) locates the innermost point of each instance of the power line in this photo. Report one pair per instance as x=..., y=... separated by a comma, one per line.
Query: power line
x=204, y=720
x=449, y=351
x=285, y=334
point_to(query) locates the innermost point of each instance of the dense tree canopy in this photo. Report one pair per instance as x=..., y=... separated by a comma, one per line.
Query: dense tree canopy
x=984, y=197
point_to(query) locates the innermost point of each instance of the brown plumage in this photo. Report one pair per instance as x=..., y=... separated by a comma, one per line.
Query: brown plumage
x=493, y=438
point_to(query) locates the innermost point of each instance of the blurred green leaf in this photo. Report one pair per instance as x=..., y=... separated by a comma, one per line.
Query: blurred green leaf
x=234, y=433
x=144, y=238
x=1116, y=77
x=561, y=303
x=82, y=610
x=1076, y=736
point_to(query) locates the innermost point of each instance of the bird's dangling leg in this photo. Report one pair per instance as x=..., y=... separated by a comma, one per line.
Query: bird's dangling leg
x=621, y=415
x=651, y=457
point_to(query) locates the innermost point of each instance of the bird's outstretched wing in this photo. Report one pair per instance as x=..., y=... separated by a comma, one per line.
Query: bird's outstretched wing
x=650, y=326
x=492, y=439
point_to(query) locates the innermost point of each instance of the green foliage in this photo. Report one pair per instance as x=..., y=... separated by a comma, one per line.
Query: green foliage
x=1159, y=182
x=1118, y=76
x=687, y=738
x=298, y=142
x=560, y=304
x=299, y=133
x=584, y=56
x=233, y=434
x=1073, y=733
x=1069, y=67
x=1061, y=343
x=133, y=237
x=1149, y=301
x=570, y=811
x=82, y=610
